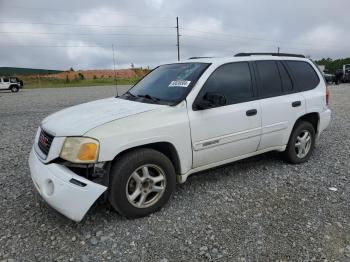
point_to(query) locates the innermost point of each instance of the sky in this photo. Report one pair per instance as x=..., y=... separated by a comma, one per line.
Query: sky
x=80, y=34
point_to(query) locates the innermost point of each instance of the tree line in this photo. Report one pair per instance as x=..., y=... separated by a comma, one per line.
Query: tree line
x=333, y=65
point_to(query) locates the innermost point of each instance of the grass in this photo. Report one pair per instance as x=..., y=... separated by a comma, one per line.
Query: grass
x=30, y=83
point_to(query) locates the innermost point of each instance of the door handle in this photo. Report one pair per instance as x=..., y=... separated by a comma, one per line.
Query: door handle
x=296, y=103
x=251, y=112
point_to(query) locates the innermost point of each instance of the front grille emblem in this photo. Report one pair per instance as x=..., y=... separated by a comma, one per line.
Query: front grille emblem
x=43, y=140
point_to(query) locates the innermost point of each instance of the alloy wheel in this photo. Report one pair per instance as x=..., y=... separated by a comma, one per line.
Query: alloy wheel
x=303, y=144
x=145, y=186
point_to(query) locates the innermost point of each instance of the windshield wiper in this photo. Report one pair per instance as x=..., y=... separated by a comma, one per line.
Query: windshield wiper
x=129, y=93
x=147, y=96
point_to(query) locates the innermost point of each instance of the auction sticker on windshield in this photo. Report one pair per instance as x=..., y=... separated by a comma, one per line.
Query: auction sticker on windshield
x=180, y=83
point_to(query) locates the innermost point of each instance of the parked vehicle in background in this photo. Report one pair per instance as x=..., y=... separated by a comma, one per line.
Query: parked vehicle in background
x=10, y=83
x=339, y=76
x=346, y=73
x=330, y=78
x=181, y=118
x=16, y=80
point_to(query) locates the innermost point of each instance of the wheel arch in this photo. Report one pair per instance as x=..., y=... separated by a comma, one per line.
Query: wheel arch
x=313, y=118
x=167, y=148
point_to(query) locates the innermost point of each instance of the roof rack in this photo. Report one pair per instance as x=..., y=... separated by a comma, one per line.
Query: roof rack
x=272, y=54
x=199, y=57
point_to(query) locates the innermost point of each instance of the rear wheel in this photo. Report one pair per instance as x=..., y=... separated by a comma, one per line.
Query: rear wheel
x=301, y=143
x=142, y=181
x=14, y=89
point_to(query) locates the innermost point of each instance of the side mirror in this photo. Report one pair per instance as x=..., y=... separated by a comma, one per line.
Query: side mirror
x=210, y=100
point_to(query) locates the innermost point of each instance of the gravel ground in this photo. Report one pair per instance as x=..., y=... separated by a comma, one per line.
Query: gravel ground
x=259, y=209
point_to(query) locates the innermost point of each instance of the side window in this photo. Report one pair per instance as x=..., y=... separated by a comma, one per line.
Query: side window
x=287, y=84
x=5, y=79
x=269, y=79
x=304, y=75
x=231, y=80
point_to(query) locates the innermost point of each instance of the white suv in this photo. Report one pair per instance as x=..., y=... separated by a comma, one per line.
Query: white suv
x=181, y=118
x=10, y=83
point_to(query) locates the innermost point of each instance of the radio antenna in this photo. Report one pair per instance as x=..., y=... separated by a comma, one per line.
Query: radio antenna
x=115, y=73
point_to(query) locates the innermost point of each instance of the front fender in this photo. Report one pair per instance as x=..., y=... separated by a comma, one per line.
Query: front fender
x=170, y=125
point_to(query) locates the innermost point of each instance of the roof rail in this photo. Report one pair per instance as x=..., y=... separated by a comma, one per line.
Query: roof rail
x=199, y=57
x=272, y=54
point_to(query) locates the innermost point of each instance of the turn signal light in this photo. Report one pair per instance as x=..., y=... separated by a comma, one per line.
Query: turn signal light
x=87, y=152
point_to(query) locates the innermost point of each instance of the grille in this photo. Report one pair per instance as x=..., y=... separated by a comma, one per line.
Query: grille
x=45, y=141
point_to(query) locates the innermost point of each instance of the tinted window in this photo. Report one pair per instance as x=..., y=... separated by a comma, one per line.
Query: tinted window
x=269, y=79
x=304, y=75
x=167, y=83
x=231, y=80
x=5, y=79
x=287, y=84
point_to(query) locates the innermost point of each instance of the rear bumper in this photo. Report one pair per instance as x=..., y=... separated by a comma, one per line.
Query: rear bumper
x=325, y=119
x=52, y=181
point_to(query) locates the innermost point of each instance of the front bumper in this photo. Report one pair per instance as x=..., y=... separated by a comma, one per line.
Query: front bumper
x=58, y=186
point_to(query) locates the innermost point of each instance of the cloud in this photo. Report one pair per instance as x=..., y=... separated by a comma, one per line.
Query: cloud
x=156, y=4
x=81, y=33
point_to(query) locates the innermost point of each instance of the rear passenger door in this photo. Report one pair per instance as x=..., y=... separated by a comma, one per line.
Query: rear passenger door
x=281, y=104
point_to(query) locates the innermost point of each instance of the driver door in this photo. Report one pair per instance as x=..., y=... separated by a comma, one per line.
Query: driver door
x=223, y=132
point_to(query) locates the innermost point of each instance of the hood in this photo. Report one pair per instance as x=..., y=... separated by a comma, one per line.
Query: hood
x=77, y=120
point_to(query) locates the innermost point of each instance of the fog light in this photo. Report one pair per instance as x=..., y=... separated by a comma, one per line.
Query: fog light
x=49, y=187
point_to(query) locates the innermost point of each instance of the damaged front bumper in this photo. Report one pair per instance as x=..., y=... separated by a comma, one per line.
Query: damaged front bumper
x=67, y=192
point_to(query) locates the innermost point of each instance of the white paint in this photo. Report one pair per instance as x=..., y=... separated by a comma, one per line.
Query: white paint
x=202, y=139
x=69, y=199
x=5, y=85
x=166, y=124
x=183, y=178
x=278, y=118
x=237, y=133
x=77, y=120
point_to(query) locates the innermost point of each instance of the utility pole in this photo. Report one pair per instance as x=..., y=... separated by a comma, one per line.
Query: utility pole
x=39, y=81
x=115, y=73
x=178, y=38
x=278, y=49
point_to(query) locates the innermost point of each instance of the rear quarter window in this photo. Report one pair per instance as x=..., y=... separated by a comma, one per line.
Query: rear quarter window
x=304, y=75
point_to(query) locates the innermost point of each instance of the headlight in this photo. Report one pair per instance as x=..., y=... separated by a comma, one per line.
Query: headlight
x=80, y=150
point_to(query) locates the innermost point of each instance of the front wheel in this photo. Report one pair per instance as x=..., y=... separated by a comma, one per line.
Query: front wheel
x=301, y=143
x=142, y=181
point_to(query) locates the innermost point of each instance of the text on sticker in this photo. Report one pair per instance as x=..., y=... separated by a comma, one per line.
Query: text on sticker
x=180, y=83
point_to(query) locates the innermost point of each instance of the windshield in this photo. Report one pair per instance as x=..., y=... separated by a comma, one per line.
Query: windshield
x=167, y=84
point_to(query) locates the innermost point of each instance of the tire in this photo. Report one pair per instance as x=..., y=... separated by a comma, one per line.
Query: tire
x=294, y=153
x=135, y=182
x=14, y=89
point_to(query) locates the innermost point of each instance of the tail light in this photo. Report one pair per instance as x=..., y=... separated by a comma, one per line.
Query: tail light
x=328, y=94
